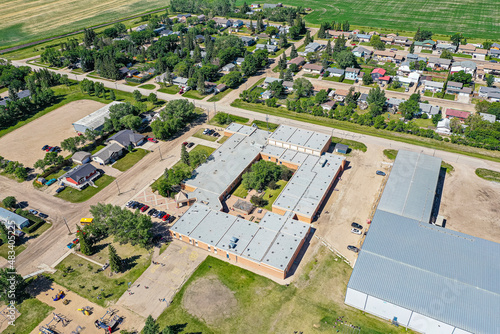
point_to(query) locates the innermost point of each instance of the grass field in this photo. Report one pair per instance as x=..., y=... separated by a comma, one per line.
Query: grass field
x=264, y=125
x=77, y=196
x=148, y=86
x=477, y=18
x=130, y=159
x=199, y=134
x=310, y=304
x=219, y=96
x=240, y=191
x=32, y=312
x=391, y=154
x=25, y=22
x=353, y=145
x=488, y=174
x=271, y=195
x=172, y=90
x=194, y=94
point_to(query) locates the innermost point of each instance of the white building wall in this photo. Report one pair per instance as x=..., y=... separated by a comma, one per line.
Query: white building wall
x=355, y=298
x=387, y=310
x=428, y=325
x=460, y=331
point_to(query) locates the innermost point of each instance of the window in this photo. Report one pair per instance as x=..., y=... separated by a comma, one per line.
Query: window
x=196, y=242
x=209, y=249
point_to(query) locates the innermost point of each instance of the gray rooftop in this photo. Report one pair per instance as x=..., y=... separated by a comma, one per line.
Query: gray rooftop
x=281, y=251
x=9, y=216
x=214, y=225
x=80, y=171
x=238, y=236
x=412, y=264
x=411, y=187
x=488, y=117
x=108, y=151
x=299, y=137
x=428, y=108
x=97, y=118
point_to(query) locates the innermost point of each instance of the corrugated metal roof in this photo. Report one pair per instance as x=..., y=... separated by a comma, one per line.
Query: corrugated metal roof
x=445, y=275
x=97, y=118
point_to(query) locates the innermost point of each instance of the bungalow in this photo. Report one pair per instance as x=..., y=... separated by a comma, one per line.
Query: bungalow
x=401, y=40
x=494, y=53
x=181, y=82
x=81, y=157
x=269, y=80
x=443, y=127
x=495, y=46
x=364, y=37
x=491, y=68
x=24, y=94
x=384, y=80
x=405, y=81
x=490, y=93
x=220, y=88
x=336, y=34
x=393, y=104
x=183, y=17
x=288, y=85
x=384, y=55
x=166, y=32
x=267, y=95
x=201, y=18
x=351, y=73
x=363, y=101
x=239, y=61
x=237, y=24
x=80, y=176
x=247, y=41
x=299, y=61
x=387, y=40
x=404, y=68
x=429, y=109
x=9, y=217
x=108, y=154
x=466, y=49
x=228, y=67
x=480, y=54
x=360, y=51
x=341, y=94
x=377, y=73
x=411, y=57
x=467, y=66
x=140, y=28
x=335, y=72
x=428, y=44
x=440, y=47
x=460, y=114
x=438, y=63
x=329, y=105
x=433, y=86
x=272, y=48
x=313, y=68
x=126, y=138
x=488, y=117
x=398, y=59
x=313, y=47
x=414, y=77
x=454, y=87
x=223, y=23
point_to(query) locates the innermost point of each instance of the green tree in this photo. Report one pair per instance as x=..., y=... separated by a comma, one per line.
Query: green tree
x=84, y=240
x=490, y=80
x=197, y=158
x=446, y=54
x=346, y=59
x=271, y=31
x=115, y=262
x=367, y=79
x=376, y=101
x=377, y=43
x=232, y=79
x=167, y=330
x=302, y=87
x=10, y=202
x=151, y=327
x=276, y=87
x=260, y=174
x=321, y=97
x=456, y=38
x=184, y=155
x=152, y=98
x=4, y=233
x=131, y=122
x=8, y=279
x=293, y=52
x=21, y=173
x=137, y=95
x=412, y=48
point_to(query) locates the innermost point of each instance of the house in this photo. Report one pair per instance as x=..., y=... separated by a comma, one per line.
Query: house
x=439, y=63
x=479, y=54
x=272, y=48
x=95, y=120
x=201, y=18
x=466, y=49
x=335, y=72
x=181, y=82
x=360, y=51
x=209, y=87
x=228, y=67
x=260, y=46
x=140, y=28
x=494, y=53
x=443, y=127
x=467, y=66
x=453, y=113
x=313, y=68
x=270, y=5
x=8, y=217
x=398, y=59
x=269, y=80
x=237, y=24
x=377, y=73
x=166, y=32
x=384, y=55
x=108, y=154
x=429, y=109
x=80, y=176
x=220, y=88
x=239, y=61
x=387, y=40
x=404, y=68
x=384, y=80
x=81, y=157
x=488, y=117
x=336, y=34
x=411, y=57
x=183, y=17
x=428, y=44
x=440, y=47
x=341, y=148
x=247, y=41
x=223, y=23
x=254, y=5
x=329, y=105
x=490, y=93
x=393, y=104
x=288, y=85
x=364, y=37
x=341, y=94
x=433, y=86
x=20, y=95
x=401, y=40
x=454, y=87
x=414, y=77
x=267, y=95
x=351, y=73
x=362, y=101
x=127, y=138
x=299, y=61
x=313, y=47
x=405, y=81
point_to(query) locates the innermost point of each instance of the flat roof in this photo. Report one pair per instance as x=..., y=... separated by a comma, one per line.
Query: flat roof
x=411, y=187
x=411, y=264
x=190, y=219
x=238, y=236
x=212, y=227
x=260, y=244
x=97, y=118
x=281, y=251
x=300, y=137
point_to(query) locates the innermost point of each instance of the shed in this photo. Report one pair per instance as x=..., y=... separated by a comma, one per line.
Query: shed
x=341, y=148
x=81, y=157
x=243, y=207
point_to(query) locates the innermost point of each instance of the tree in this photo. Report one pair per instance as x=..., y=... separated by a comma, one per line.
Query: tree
x=151, y=327
x=462, y=77
x=115, y=262
x=4, y=233
x=293, y=52
x=456, y=38
x=288, y=75
x=8, y=279
x=490, y=80
x=21, y=173
x=167, y=330
x=321, y=97
x=131, y=122
x=232, y=79
x=200, y=85
x=346, y=59
x=152, y=98
x=260, y=174
x=10, y=202
x=377, y=43
x=308, y=38
x=446, y=54
x=409, y=109
x=271, y=31
x=412, y=48
x=367, y=79
x=276, y=87
x=376, y=101
x=249, y=65
x=84, y=240
x=302, y=87
x=184, y=155
x=88, y=37
x=137, y=95
x=435, y=118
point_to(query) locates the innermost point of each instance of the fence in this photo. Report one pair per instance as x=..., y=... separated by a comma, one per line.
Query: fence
x=335, y=251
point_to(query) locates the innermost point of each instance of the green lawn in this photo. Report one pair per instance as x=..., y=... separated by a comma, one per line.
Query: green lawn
x=426, y=51
x=309, y=75
x=400, y=89
x=76, y=196
x=223, y=139
x=353, y=145
x=65, y=95
x=348, y=81
x=130, y=159
x=488, y=174
x=133, y=84
x=234, y=118
x=391, y=154
x=271, y=195
x=341, y=125
x=38, y=231
x=4, y=250
x=220, y=96
x=194, y=94
x=423, y=123
x=240, y=191
x=199, y=134
x=32, y=312
x=449, y=168
x=334, y=79
x=277, y=54
x=265, y=125
x=148, y=86
x=97, y=149
x=172, y=90
x=311, y=303
x=88, y=283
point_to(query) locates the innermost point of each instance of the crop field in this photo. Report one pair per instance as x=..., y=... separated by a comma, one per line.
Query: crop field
x=473, y=18
x=26, y=21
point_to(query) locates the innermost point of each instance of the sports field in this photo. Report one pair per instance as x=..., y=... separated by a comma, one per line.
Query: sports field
x=474, y=18
x=25, y=21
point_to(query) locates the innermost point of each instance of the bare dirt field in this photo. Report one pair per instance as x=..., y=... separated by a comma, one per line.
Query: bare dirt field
x=470, y=204
x=208, y=299
x=24, y=144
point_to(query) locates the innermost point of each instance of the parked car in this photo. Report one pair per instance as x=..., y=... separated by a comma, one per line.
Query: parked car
x=57, y=149
x=45, y=147
x=190, y=145
x=151, y=212
x=181, y=91
x=48, y=148
x=129, y=204
x=165, y=217
x=171, y=219
x=52, y=149
x=356, y=225
x=60, y=189
x=153, y=140
x=356, y=231
x=493, y=61
x=33, y=212
x=185, y=143
x=144, y=208
x=379, y=172
x=353, y=248
x=43, y=215
x=50, y=182
x=394, y=49
x=137, y=205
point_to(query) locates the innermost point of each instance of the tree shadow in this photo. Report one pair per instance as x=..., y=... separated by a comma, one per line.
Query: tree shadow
x=130, y=262
x=178, y=328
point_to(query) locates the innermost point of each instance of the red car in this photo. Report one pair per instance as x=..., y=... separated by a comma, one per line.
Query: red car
x=153, y=140
x=185, y=143
x=144, y=208
x=48, y=149
x=164, y=218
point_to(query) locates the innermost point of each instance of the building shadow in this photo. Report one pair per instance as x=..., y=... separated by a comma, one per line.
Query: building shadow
x=302, y=252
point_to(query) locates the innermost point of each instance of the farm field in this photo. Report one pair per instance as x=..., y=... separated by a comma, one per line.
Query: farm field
x=44, y=18
x=474, y=18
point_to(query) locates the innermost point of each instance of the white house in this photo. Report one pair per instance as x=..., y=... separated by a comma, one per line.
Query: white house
x=433, y=86
x=443, y=126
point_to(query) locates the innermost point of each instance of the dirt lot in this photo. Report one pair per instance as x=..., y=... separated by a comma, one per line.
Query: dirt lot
x=206, y=297
x=24, y=144
x=470, y=204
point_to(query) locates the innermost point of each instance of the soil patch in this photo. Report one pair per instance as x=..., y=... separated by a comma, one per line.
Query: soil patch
x=210, y=300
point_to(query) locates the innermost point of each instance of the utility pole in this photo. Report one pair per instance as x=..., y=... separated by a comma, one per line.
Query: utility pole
x=159, y=150
x=267, y=121
x=67, y=225
x=119, y=192
x=215, y=110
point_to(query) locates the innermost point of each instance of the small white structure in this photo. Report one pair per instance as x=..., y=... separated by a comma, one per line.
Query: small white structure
x=443, y=127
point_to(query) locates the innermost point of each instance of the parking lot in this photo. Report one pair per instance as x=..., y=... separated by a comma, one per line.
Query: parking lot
x=25, y=144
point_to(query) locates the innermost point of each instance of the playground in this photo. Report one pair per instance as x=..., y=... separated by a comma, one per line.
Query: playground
x=74, y=314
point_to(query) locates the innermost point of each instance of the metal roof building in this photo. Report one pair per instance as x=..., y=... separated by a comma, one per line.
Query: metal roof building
x=426, y=278
x=7, y=217
x=95, y=120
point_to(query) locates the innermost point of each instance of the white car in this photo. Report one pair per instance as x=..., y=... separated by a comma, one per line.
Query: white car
x=356, y=231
